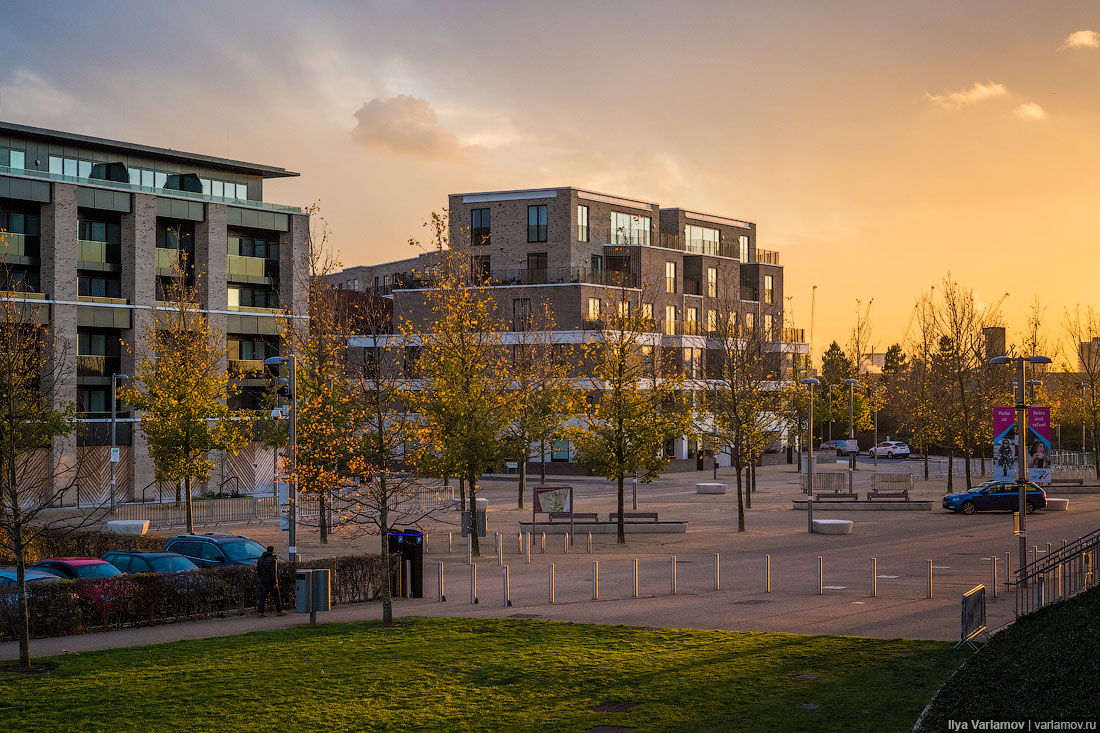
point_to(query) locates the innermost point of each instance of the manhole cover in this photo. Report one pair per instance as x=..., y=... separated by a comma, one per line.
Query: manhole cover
x=609, y=729
x=810, y=706
x=613, y=706
x=750, y=602
x=524, y=615
x=807, y=676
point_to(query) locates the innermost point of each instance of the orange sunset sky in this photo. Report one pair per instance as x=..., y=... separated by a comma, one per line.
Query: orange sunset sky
x=877, y=145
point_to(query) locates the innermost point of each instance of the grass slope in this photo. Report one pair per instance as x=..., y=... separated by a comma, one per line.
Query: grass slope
x=1046, y=666
x=474, y=674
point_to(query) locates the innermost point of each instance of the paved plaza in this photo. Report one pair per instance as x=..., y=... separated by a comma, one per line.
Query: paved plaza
x=903, y=543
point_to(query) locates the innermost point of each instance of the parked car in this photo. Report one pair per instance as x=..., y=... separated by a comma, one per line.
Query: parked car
x=72, y=568
x=836, y=446
x=889, y=449
x=216, y=549
x=145, y=561
x=8, y=577
x=994, y=495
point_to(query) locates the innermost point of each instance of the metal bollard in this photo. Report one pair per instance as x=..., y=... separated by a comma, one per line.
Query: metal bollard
x=528, y=548
x=993, y=575
x=1034, y=553
x=473, y=583
x=717, y=572
x=874, y=577
x=634, y=594
x=820, y=576
x=673, y=575
x=500, y=550
x=565, y=549
x=929, y=578
x=589, y=543
x=551, y=582
x=520, y=540
x=442, y=595
x=469, y=549
x=1008, y=564
x=507, y=587
x=1041, y=589
x=543, y=543
x=767, y=573
x=450, y=542
x=595, y=580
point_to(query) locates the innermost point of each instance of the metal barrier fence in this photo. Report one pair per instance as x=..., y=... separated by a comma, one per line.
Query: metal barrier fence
x=891, y=481
x=204, y=512
x=1062, y=573
x=832, y=481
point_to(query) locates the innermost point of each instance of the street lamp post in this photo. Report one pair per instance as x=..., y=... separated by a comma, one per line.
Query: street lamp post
x=852, y=384
x=873, y=394
x=1021, y=440
x=292, y=483
x=114, y=428
x=810, y=382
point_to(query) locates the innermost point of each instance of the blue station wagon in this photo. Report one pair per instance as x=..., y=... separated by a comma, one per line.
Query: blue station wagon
x=996, y=495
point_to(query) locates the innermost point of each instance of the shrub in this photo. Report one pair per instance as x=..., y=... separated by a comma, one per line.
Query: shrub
x=82, y=543
x=147, y=599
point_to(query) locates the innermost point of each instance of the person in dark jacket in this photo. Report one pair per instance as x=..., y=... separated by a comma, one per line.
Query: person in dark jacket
x=267, y=568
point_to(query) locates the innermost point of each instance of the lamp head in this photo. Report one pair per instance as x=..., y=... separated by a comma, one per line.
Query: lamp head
x=852, y=382
x=999, y=360
x=120, y=376
x=810, y=380
x=1039, y=359
x=275, y=360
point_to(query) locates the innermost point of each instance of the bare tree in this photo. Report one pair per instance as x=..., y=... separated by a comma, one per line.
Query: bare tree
x=1082, y=327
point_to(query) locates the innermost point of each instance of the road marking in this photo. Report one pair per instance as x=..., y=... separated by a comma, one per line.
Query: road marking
x=834, y=587
x=891, y=577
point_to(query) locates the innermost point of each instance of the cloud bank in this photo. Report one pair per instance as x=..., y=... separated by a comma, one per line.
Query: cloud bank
x=405, y=125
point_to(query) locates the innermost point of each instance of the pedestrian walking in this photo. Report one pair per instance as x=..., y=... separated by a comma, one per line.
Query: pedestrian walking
x=267, y=568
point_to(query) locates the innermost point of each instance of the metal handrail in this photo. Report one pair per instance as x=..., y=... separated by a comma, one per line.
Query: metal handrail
x=1062, y=574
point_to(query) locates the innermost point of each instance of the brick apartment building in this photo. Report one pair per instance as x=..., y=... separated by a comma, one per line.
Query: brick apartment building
x=92, y=229
x=575, y=250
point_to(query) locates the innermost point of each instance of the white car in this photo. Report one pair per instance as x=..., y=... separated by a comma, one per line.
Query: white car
x=890, y=449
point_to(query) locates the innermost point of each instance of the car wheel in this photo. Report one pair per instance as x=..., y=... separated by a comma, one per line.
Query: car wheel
x=889, y=455
x=1029, y=507
x=968, y=507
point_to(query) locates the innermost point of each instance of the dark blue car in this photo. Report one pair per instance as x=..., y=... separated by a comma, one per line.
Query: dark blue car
x=996, y=495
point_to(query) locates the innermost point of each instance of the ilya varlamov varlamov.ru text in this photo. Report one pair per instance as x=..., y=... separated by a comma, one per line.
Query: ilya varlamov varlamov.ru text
x=1019, y=725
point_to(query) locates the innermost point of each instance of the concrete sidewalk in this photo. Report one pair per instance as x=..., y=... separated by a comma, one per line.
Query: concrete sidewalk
x=902, y=542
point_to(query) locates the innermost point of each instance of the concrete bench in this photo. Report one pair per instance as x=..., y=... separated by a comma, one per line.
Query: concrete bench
x=1057, y=505
x=837, y=495
x=903, y=494
x=633, y=516
x=576, y=517
x=833, y=526
x=128, y=526
x=710, y=488
x=1068, y=481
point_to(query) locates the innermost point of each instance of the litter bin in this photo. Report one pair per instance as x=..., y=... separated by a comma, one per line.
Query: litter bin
x=482, y=527
x=408, y=581
x=303, y=597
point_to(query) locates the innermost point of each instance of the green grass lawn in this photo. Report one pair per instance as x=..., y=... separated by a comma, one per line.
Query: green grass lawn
x=474, y=674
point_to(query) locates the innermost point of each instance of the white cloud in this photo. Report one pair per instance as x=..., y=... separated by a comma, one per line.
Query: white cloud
x=405, y=125
x=1030, y=111
x=1082, y=39
x=30, y=98
x=979, y=92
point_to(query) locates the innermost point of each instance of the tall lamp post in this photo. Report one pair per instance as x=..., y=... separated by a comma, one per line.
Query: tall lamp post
x=852, y=384
x=114, y=428
x=873, y=394
x=810, y=382
x=1021, y=441
x=292, y=483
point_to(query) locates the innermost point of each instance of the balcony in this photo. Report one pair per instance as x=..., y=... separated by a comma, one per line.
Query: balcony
x=18, y=249
x=250, y=369
x=102, y=300
x=792, y=335
x=134, y=188
x=692, y=287
x=255, y=309
x=94, y=365
x=248, y=269
x=765, y=257
x=101, y=256
x=168, y=261
x=557, y=275
x=749, y=293
x=21, y=295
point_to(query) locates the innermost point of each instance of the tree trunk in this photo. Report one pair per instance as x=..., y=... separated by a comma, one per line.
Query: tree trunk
x=474, y=544
x=522, y=481
x=925, y=451
x=966, y=456
x=384, y=525
x=1095, y=454
x=622, y=528
x=190, y=518
x=740, y=501
x=23, y=618
x=950, y=470
x=981, y=455
x=748, y=484
x=323, y=519
x=461, y=490
x=542, y=464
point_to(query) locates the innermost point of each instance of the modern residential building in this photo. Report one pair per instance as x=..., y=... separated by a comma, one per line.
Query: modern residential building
x=573, y=250
x=93, y=228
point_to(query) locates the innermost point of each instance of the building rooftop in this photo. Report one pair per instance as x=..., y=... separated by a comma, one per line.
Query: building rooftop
x=179, y=156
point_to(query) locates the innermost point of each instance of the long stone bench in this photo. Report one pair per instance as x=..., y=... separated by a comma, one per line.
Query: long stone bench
x=642, y=527
x=1057, y=505
x=128, y=526
x=833, y=526
x=864, y=506
x=710, y=488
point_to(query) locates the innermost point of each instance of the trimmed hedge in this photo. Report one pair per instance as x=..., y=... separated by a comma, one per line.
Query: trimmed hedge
x=82, y=543
x=80, y=606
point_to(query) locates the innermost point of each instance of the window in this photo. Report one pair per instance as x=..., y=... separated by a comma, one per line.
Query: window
x=769, y=289
x=670, y=320
x=582, y=223
x=750, y=322
x=536, y=223
x=99, y=287
x=17, y=159
x=703, y=240
x=743, y=246
x=691, y=322
x=479, y=226
x=536, y=267
x=597, y=263
x=624, y=309
x=210, y=551
x=629, y=228
x=521, y=314
x=670, y=277
x=647, y=311
x=593, y=309
x=768, y=321
x=412, y=361
x=712, y=282
x=712, y=321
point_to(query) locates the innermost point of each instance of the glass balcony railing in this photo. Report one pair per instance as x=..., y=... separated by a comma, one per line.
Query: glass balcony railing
x=89, y=365
x=30, y=173
x=88, y=251
x=167, y=260
x=241, y=266
x=15, y=245
x=247, y=368
x=101, y=299
x=254, y=309
x=22, y=295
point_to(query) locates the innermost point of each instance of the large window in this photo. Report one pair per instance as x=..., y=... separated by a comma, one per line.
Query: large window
x=769, y=321
x=670, y=277
x=479, y=226
x=594, y=309
x=701, y=239
x=743, y=248
x=769, y=289
x=582, y=223
x=712, y=282
x=537, y=264
x=691, y=322
x=629, y=228
x=99, y=286
x=536, y=223
x=670, y=320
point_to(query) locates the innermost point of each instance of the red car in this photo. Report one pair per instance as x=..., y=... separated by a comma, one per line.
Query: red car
x=73, y=568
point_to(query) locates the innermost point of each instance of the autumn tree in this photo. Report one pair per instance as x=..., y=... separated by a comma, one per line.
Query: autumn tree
x=455, y=348
x=912, y=400
x=181, y=390
x=634, y=404
x=1082, y=329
